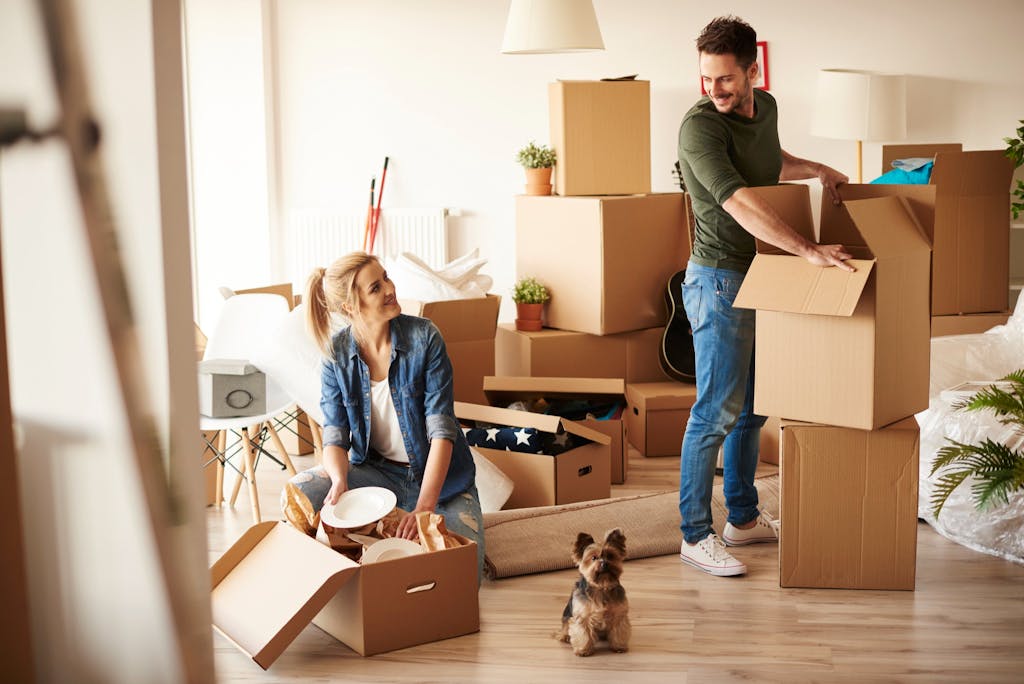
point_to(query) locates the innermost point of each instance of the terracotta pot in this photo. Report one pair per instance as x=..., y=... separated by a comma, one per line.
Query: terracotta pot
x=528, y=317
x=538, y=181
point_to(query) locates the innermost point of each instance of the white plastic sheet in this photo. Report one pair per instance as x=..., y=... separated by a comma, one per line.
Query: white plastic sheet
x=458, y=279
x=998, y=531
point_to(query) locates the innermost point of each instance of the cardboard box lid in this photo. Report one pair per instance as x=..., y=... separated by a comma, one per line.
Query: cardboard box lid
x=978, y=172
x=538, y=421
x=837, y=227
x=509, y=387
x=270, y=584
x=792, y=284
x=661, y=396
x=459, y=320
x=227, y=367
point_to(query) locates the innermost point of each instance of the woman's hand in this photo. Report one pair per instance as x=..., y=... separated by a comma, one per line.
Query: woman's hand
x=407, y=528
x=338, y=487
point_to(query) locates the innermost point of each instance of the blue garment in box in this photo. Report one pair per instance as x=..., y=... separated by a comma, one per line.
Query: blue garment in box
x=899, y=176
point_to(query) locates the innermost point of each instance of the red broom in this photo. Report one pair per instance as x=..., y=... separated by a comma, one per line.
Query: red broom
x=369, y=216
x=376, y=212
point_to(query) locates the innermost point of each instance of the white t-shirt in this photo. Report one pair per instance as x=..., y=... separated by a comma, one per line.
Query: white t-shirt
x=385, y=431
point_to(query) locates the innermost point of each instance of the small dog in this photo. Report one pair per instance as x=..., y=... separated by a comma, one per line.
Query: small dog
x=597, y=608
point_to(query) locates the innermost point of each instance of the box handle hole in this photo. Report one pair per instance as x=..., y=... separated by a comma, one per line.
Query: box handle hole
x=636, y=411
x=585, y=470
x=416, y=588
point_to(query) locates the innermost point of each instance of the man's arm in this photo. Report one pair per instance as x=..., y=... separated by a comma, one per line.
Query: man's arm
x=795, y=168
x=760, y=220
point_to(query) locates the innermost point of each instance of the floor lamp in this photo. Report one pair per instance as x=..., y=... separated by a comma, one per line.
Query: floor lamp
x=861, y=106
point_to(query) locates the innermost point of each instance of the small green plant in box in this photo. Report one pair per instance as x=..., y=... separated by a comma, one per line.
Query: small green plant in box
x=530, y=291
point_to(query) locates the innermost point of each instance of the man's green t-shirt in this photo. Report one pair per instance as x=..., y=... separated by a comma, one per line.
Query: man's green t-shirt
x=719, y=154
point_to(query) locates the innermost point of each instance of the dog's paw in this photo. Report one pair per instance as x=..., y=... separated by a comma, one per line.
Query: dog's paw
x=583, y=653
x=620, y=649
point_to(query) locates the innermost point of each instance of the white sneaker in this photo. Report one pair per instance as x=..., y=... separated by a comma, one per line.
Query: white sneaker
x=709, y=555
x=766, y=530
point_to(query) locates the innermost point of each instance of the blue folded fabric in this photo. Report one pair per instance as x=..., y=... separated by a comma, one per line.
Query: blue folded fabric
x=919, y=175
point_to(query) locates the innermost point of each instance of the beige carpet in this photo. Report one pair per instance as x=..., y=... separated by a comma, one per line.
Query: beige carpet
x=527, y=540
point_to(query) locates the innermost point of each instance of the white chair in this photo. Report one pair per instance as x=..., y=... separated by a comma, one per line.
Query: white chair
x=295, y=361
x=243, y=331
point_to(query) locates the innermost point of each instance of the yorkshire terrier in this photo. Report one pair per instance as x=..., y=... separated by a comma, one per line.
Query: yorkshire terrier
x=597, y=608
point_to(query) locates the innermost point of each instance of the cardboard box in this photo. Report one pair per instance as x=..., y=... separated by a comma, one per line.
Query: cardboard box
x=768, y=447
x=468, y=327
x=656, y=415
x=550, y=352
x=274, y=581
x=849, y=506
x=503, y=390
x=840, y=348
x=579, y=474
x=601, y=132
x=606, y=260
x=971, y=242
x=968, y=324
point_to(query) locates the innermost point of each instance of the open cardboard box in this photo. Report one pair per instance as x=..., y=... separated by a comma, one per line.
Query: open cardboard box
x=849, y=506
x=275, y=580
x=840, y=348
x=503, y=390
x=468, y=327
x=971, y=238
x=579, y=474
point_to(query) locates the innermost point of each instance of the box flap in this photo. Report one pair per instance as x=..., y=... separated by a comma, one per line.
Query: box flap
x=270, y=584
x=788, y=283
x=890, y=153
x=664, y=395
x=888, y=226
x=837, y=227
x=978, y=172
x=793, y=205
x=506, y=388
x=538, y=421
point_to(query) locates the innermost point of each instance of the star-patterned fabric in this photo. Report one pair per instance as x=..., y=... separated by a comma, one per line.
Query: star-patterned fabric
x=524, y=439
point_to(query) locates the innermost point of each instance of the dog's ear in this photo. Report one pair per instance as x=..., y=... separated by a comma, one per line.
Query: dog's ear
x=583, y=540
x=616, y=540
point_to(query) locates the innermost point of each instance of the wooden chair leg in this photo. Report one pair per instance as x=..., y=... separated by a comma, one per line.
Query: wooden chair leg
x=318, y=440
x=238, y=480
x=218, y=495
x=250, y=474
x=280, y=447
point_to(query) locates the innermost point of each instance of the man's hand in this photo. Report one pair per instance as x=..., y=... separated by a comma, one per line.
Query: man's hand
x=830, y=181
x=830, y=255
x=407, y=528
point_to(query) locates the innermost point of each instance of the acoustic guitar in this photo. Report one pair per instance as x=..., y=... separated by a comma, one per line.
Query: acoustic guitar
x=676, y=352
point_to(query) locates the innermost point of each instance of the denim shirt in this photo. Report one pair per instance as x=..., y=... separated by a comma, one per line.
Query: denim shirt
x=420, y=379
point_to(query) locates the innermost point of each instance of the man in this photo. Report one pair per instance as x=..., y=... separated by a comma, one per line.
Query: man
x=729, y=143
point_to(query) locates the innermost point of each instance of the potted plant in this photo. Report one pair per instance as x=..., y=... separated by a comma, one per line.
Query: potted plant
x=537, y=160
x=530, y=295
x=1015, y=151
x=996, y=470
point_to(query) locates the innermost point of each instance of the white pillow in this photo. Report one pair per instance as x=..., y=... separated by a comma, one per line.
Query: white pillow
x=493, y=486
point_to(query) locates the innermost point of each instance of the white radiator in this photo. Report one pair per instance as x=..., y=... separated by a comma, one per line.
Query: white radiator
x=316, y=238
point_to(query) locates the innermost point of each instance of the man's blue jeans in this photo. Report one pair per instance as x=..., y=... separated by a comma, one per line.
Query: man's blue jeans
x=723, y=341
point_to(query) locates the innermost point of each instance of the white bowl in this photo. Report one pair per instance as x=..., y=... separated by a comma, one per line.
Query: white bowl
x=390, y=549
x=359, y=507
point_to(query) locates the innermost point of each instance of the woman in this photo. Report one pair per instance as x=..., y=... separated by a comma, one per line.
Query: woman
x=386, y=396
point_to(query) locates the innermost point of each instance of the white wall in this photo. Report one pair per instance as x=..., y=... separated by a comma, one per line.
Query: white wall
x=100, y=607
x=425, y=83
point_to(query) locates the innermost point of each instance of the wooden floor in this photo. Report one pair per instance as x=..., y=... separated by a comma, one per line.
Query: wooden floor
x=964, y=622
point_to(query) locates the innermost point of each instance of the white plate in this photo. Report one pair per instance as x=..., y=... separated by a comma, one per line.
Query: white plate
x=390, y=549
x=358, y=507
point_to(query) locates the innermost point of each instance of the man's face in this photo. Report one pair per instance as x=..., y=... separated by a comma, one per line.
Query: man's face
x=728, y=84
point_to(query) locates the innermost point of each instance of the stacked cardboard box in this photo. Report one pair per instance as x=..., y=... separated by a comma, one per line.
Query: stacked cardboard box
x=605, y=247
x=843, y=358
x=971, y=234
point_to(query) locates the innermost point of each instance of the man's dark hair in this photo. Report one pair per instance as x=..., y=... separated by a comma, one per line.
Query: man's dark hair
x=729, y=35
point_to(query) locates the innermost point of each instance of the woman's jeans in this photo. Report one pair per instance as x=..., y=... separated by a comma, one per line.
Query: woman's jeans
x=461, y=513
x=723, y=341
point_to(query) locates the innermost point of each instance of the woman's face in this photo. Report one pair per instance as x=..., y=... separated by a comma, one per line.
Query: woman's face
x=375, y=295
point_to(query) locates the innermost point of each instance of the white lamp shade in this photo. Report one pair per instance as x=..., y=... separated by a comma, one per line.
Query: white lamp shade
x=860, y=105
x=537, y=26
